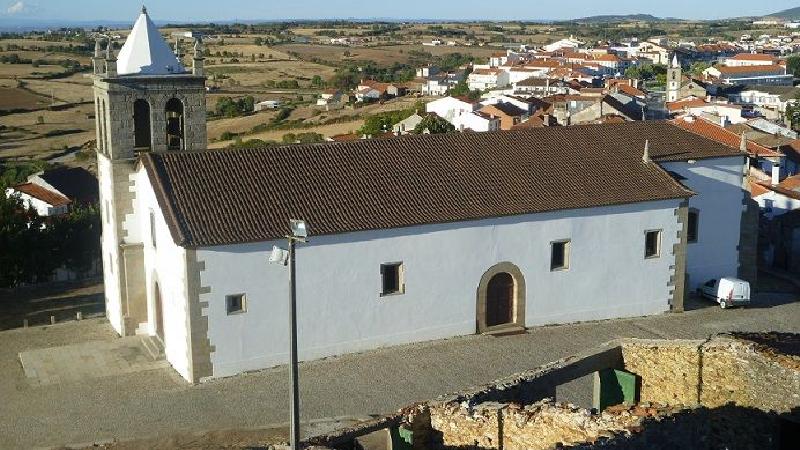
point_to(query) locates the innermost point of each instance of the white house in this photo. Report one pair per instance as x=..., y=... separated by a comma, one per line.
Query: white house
x=412, y=239
x=40, y=199
x=482, y=79
x=476, y=121
x=53, y=192
x=751, y=59
x=407, y=125
x=450, y=107
x=777, y=198
x=564, y=44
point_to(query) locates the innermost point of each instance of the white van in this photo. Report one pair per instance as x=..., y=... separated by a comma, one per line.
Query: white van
x=726, y=291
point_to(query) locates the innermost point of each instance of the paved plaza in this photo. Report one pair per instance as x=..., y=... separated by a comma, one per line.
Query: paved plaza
x=87, y=360
x=155, y=402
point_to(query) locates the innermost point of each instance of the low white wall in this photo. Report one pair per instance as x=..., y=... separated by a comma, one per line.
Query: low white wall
x=340, y=309
x=718, y=185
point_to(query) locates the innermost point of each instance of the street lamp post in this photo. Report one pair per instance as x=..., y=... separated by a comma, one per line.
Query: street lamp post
x=282, y=257
x=294, y=431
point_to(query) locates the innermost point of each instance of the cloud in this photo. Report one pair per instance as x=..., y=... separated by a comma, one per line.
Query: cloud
x=20, y=8
x=16, y=8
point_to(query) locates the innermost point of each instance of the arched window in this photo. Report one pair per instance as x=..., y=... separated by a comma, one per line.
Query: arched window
x=101, y=144
x=141, y=125
x=174, y=112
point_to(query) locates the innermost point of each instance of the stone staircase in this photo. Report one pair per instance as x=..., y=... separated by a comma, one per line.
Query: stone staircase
x=154, y=347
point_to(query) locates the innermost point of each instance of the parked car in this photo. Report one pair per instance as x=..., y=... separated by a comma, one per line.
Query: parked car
x=726, y=291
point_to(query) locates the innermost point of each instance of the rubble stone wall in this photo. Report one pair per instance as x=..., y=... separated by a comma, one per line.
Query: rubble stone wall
x=743, y=373
x=669, y=370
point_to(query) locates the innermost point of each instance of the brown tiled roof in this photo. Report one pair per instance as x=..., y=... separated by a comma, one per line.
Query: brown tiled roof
x=773, y=69
x=40, y=193
x=231, y=196
x=720, y=134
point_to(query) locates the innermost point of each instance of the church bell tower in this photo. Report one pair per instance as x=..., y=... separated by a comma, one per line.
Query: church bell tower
x=145, y=101
x=674, y=80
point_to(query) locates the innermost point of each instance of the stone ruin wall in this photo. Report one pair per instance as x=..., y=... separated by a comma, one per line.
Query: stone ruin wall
x=693, y=394
x=714, y=373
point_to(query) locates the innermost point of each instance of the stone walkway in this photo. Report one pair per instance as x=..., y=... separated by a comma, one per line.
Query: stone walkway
x=87, y=360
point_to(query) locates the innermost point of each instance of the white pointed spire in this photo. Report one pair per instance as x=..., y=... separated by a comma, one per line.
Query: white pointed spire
x=145, y=52
x=675, y=61
x=646, y=155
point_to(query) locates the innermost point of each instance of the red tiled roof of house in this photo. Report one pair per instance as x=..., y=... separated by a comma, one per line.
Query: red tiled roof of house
x=772, y=69
x=43, y=194
x=630, y=90
x=715, y=132
x=354, y=186
x=345, y=137
x=757, y=188
x=684, y=104
x=754, y=57
x=791, y=183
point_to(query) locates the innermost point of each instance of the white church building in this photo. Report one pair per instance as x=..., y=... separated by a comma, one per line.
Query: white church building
x=412, y=238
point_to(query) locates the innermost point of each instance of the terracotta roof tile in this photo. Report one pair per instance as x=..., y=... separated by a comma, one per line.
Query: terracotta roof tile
x=722, y=135
x=231, y=196
x=45, y=195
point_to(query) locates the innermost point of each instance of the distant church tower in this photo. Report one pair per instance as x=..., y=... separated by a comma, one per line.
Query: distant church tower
x=673, y=80
x=145, y=101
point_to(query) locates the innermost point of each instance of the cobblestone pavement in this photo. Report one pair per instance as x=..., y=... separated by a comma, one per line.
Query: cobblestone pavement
x=159, y=403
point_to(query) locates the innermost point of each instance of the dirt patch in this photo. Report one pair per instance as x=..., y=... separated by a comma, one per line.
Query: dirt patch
x=15, y=98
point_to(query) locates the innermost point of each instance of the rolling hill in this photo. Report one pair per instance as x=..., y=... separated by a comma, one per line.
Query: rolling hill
x=787, y=14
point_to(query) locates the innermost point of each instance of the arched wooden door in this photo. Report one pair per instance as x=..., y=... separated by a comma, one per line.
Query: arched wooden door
x=500, y=300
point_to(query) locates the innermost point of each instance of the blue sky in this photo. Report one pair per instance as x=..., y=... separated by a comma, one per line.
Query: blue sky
x=206, y=10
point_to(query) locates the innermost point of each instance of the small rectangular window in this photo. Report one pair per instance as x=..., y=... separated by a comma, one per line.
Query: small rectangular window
x=153, y=228
x=392, y=279
x=235, y=304
x=652, y=244
x=559, y=255
x=692, y=226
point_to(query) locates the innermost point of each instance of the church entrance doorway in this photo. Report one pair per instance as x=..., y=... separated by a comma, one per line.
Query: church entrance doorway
x=501, y=299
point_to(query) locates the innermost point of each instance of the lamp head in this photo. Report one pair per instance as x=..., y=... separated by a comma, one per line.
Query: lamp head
x=299, y=228
x=278, y=256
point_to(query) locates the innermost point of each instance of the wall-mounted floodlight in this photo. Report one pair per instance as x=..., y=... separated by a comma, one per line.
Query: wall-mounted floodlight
x=299, y=229
x=279, y=256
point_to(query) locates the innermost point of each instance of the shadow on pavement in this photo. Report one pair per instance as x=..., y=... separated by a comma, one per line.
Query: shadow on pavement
x=62, y=300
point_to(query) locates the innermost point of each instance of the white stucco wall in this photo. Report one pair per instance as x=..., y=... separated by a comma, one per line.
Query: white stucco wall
x=718, y=185
x=109, y=244
x=775, y=204
x=340, y=309
x=164, y=264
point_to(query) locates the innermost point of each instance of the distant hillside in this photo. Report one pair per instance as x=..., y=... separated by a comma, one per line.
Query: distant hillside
x=788, y=14
x=620, y=18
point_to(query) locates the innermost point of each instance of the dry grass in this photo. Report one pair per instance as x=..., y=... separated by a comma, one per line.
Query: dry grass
x=257, y=74
x=31, y=139
x=11, y=71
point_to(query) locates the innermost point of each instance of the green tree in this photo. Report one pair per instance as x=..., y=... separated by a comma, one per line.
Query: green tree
x=793, y=112
x=793, y=65
x=434, y=125
x=697, y=68
x=289, y=138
